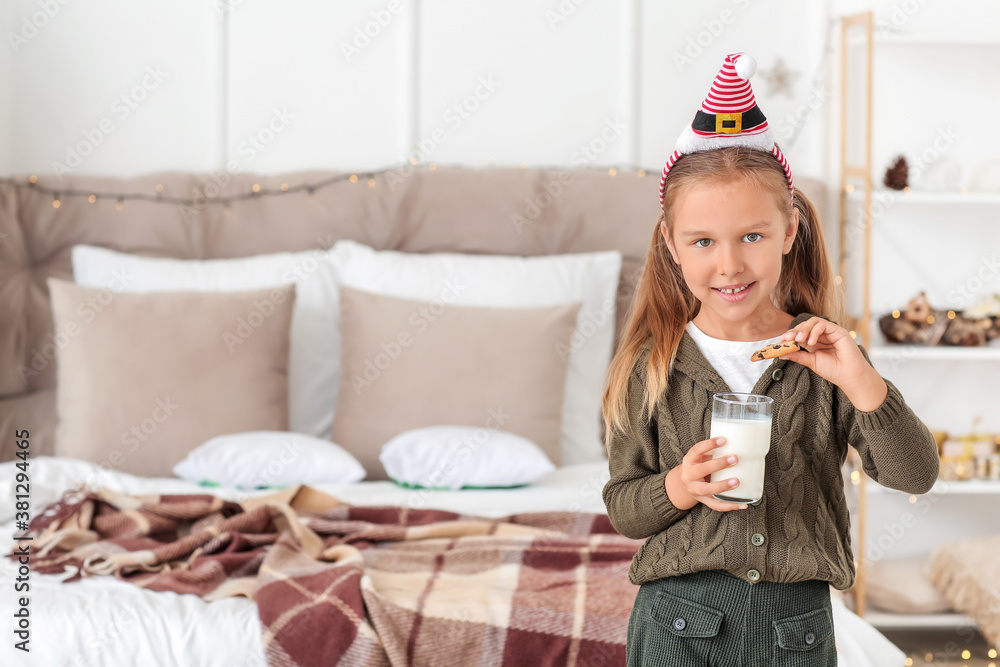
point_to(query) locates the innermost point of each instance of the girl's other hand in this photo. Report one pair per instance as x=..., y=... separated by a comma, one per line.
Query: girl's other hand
x=832, y=353
x=693, y=476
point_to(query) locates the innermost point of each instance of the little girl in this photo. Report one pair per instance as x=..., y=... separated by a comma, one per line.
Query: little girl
x=738, y=261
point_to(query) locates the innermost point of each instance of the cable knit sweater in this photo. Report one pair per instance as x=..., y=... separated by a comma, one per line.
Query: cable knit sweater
x=801, y=528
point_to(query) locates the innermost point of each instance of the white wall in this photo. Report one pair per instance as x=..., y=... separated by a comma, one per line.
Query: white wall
x=130, y=87
x=6, y=94
x=269, y=87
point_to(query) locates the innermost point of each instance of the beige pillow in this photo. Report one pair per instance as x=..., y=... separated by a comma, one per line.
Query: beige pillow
x=899, y=585
x=143, y=379
x=409, y=364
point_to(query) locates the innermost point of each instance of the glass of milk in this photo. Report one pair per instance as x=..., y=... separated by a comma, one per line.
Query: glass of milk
x=744, y=420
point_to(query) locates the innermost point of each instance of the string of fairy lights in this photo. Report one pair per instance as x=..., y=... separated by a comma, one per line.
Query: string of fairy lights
x=255, y=191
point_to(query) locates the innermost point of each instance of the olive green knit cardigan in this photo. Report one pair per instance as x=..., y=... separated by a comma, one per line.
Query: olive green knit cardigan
x=801, y=528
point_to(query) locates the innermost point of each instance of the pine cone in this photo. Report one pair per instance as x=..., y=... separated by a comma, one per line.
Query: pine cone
x=897, y=175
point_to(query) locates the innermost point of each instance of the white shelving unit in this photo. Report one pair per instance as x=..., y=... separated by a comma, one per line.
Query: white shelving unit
x=859, y=192
x=971, y=486
x=881, y=619
x=934, y=353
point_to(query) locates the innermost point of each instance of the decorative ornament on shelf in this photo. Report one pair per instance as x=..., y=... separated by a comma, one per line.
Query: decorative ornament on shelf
x=988, y=306
x=919, y=309
x=970, y=456
x=941, y=175
x=779, y=78
x=896, y=176
x=986, y=178
x=920, y=324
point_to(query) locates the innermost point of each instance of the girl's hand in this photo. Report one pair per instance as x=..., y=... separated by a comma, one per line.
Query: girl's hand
x=833, y=355
x=694, y=476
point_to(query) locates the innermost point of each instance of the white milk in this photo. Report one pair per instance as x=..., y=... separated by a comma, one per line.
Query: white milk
x=749, y=440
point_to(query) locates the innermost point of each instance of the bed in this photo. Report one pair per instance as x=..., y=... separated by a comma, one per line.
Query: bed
x=588, y=229
x=104, y=621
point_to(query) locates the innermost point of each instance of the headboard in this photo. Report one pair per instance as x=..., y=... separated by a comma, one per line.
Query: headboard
x=486, y=211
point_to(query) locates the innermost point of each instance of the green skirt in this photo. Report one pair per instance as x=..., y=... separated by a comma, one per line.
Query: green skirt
x=716, y=619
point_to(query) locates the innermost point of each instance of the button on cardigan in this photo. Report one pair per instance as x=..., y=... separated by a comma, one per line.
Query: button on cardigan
x=803, y=512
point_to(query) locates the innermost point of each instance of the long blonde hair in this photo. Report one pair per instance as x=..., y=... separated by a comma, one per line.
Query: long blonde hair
x=663, y=305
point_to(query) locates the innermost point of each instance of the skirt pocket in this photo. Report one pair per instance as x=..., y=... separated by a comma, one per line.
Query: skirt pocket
x=675, y=632
x=805, y=640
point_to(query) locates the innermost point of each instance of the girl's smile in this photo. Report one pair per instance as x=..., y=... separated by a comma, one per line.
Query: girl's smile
x=735, y=293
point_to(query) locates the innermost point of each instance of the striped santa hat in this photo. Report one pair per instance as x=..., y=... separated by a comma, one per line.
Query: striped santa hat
x=729, y=116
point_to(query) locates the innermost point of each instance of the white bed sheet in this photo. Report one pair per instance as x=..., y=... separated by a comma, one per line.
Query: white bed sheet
x=103, y=621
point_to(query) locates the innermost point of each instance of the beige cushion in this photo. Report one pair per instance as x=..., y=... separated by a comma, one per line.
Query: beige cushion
x=143, y=379
x=967, y=575
x=899, y=585
x=409, y=364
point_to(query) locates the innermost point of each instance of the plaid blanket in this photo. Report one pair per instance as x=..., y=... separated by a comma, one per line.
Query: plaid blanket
x=337, y=584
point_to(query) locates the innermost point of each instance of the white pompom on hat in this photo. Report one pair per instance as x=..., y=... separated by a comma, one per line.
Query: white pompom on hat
x=746, y=66
x=729, y=116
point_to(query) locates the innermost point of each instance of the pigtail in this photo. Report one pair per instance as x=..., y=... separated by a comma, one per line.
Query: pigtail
x=661, y=307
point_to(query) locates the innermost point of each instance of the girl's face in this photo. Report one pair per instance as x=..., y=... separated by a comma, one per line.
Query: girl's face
x=728, y=240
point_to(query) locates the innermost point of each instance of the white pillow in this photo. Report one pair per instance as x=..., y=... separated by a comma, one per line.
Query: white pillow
x=498, y=281
x=453, y=457
x=314, y=359
x=269, y=458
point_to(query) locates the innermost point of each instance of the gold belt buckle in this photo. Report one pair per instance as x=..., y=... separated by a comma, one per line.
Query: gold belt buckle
x=736, y=129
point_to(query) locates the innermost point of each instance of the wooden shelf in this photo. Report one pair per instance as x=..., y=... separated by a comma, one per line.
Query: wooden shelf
x=967, y=487
x=923, y=197
x=882, y=619
x=934, y=353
